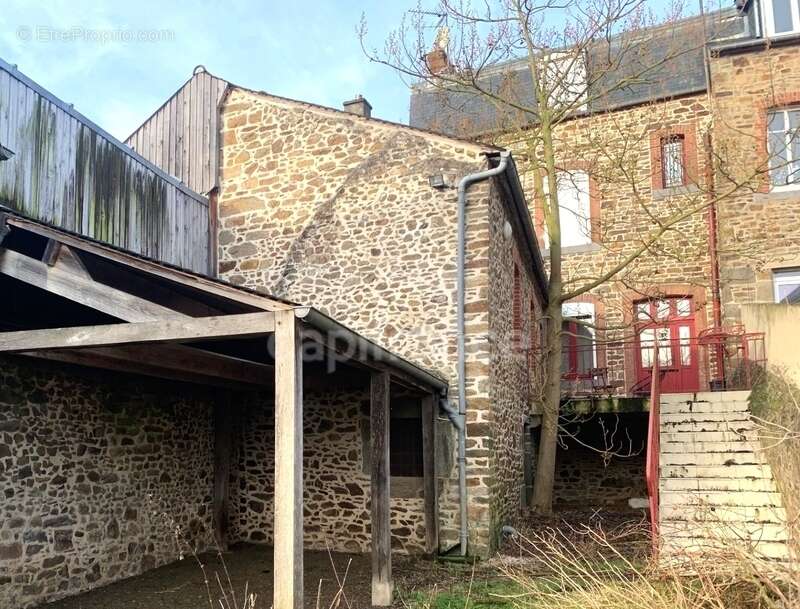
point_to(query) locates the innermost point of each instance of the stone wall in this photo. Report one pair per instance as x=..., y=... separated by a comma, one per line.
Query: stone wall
x=336, y=483
x=759, y=227
x=98, y=472
x=336, y=211
x=584, y=479
x=514, y=334
x=625, y=195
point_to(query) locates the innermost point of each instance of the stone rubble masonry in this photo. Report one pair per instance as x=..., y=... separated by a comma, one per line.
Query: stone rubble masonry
x=759, y=228
x=335, y=211
x=98, y=471
x=678, y=264
x=336, y=485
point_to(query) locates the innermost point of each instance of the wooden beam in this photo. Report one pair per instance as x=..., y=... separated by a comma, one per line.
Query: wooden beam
x=288, y=519
x=382, y=586
x=153, y=268
x=5, y=229
x=69, y=279
x=359, y=360
x=166, y=331
x=168, y=361
x=51, y=252
x=82, y=289
x=429, y=409
x=223, y=423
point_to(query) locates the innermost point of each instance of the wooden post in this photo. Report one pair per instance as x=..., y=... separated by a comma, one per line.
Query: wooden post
x=288, y=520
x=222, y=469
x=429, y=411
x=382, y=586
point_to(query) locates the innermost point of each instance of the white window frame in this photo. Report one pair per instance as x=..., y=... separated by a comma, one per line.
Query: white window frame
x=787, y=144
x=782, y=277
x=769, y=18
x=564, y=73
x=579, y=183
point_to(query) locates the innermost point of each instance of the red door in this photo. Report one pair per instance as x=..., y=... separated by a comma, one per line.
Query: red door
x=668, y=322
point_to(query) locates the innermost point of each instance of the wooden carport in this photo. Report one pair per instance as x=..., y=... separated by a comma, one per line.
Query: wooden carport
x=76, y=300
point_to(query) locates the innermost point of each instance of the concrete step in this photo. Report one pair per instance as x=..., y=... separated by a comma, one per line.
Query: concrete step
x=772, y=550
x=737, y=472
x=709, y=459
x=680, y=437
x=708, y=419
x=718, y=484
x=702, y=408
x=700, y=448
x=715, y=499
x=756, y=532
x=723, y=514
x=705, y=396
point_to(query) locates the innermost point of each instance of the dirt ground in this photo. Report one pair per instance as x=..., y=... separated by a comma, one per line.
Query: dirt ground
x=180, y=585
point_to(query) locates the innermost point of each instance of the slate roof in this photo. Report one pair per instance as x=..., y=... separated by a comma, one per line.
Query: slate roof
x=669, y=60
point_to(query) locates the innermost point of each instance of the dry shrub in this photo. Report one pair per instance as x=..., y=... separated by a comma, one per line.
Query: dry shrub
x=563, y=573
x=775, y=404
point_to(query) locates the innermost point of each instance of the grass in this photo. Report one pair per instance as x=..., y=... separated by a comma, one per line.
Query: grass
x=487, y=593
x=584, y=571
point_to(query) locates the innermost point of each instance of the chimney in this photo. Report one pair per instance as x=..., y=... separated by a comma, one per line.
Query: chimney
x=436, y=61
x=359, y=106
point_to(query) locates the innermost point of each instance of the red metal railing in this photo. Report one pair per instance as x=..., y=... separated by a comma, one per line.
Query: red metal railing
x=654, y=449
x=716, y=360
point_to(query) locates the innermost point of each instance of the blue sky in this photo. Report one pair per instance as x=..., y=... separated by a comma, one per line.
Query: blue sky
x=305, y=49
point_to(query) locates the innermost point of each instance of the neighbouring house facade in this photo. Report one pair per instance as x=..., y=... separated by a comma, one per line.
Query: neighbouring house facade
x=352, y=217
x=709, y=121
x=714, y=120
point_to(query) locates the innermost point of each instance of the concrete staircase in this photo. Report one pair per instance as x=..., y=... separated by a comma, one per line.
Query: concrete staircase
x=715, y=487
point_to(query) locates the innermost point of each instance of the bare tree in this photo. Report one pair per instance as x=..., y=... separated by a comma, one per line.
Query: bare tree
x=549, y=75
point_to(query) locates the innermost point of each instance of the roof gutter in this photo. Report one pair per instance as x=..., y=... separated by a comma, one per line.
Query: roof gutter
x=367, y=348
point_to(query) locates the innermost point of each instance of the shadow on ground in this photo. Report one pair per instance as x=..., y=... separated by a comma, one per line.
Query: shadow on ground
x=180, y=585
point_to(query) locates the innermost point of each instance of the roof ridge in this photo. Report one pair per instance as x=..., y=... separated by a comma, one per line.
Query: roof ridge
x=387, y=123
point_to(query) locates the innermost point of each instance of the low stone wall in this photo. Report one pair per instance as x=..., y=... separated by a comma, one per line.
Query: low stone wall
x=99, y=474
x=336, y=497
x=584, y=479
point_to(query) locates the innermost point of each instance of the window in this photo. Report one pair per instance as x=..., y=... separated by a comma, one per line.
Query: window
x=564, y=76
x=787, y=286
x=782, y=17
x=783, y=146
x=673, y=158
x=516, y=327
x=672, y=161
x=405, y=438
x=574, y=208
x=578, y=352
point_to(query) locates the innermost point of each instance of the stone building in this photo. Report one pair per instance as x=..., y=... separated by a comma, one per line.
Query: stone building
x=359, y=217
x=713, y=120
x=108, y=474
x=718, y=99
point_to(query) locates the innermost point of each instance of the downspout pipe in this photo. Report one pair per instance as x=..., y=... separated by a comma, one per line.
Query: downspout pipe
x=463, y=186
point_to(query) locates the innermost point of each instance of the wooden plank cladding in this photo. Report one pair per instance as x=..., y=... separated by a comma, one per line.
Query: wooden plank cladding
x=67, y=171
x=181, y=136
